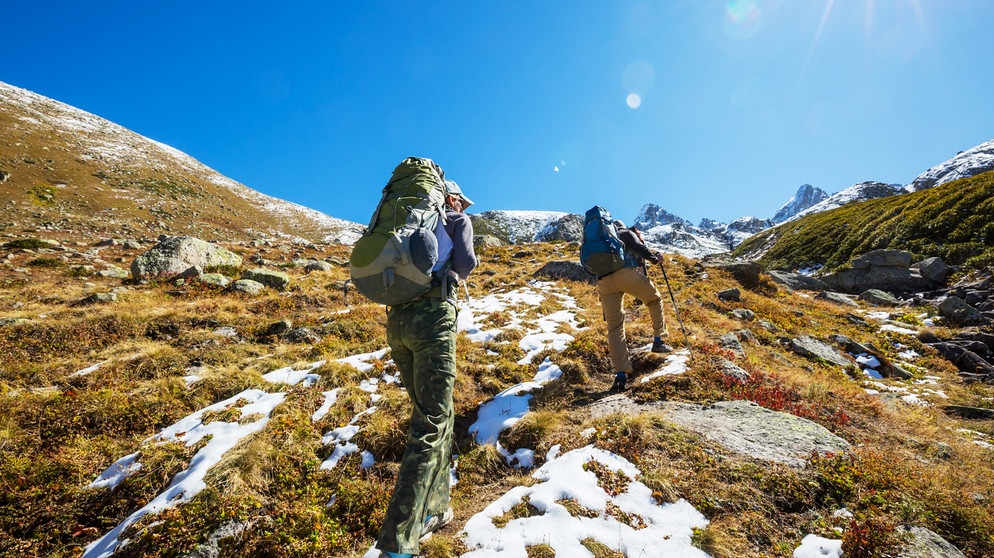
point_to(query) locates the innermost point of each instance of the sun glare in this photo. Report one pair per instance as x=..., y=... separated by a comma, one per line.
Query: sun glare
x=743, y=18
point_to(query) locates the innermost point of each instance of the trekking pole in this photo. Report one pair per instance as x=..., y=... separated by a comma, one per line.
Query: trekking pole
x=466, y=290
x=675, y=309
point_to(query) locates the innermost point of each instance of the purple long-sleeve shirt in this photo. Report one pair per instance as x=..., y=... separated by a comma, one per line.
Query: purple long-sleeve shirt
x=460, y=230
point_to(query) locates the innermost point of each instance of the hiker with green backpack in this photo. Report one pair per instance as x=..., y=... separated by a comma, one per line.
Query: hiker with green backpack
x=617, y=256
x=419, y=245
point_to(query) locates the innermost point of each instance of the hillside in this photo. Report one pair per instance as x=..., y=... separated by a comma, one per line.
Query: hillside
x=954, y=221
x=64, y=169
x=189, y=420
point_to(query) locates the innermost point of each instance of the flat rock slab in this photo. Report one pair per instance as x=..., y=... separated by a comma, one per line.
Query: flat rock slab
x=739, y=426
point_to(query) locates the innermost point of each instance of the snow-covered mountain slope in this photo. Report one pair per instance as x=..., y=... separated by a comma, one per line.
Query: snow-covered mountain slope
x=967, y=163
x=688, y=241
x=806, y=197
x=857, y=192
x=107, y=177
x=652, y=215
x=514, y=226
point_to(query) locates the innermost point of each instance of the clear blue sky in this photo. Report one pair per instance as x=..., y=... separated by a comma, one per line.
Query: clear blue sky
x=740, y=102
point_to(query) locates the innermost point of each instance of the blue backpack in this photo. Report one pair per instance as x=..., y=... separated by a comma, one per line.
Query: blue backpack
x=601, y=252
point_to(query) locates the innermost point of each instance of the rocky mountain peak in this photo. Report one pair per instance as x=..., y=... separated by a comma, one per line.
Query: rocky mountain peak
x=806, y=196
x=653, y=215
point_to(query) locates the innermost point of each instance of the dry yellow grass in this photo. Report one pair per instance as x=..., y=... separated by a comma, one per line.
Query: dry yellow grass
x=911, y=464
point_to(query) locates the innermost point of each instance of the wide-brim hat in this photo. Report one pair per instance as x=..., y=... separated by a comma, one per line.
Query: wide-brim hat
x=453, y=189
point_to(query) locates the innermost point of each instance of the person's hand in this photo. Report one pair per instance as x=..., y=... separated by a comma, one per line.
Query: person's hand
x=659, y=257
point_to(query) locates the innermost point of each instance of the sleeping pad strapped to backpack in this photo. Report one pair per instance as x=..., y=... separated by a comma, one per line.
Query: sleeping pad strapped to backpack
x=601, y=252
x=391, y=263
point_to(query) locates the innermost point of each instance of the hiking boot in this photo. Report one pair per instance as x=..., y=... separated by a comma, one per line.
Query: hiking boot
x=620, y=382
x=659, y=347
x=436, y=522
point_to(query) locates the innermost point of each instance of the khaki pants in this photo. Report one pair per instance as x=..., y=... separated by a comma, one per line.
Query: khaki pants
x=612, y=289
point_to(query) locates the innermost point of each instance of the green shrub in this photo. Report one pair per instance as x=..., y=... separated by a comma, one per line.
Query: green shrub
x=27, y=244
x=47, y=262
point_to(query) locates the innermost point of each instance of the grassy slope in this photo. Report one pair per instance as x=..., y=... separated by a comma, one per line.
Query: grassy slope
x=51, y=184
x=954, y=221
x=910, y=464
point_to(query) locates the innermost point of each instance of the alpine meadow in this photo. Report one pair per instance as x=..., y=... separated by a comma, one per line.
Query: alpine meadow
x=830, y=392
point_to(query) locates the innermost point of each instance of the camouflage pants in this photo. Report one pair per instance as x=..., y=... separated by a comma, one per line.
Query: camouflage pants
x=422, y=338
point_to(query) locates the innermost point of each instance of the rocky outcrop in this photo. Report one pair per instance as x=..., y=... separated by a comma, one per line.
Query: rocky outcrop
x=796, y=281
x=174, y=255
x=739, y=426
x=886, y=270
x=972, y=352
x=568, y=228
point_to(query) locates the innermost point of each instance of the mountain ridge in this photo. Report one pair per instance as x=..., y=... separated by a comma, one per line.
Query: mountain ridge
x=66, y=167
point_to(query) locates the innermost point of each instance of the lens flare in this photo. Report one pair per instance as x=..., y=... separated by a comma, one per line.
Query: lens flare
x=743, y=18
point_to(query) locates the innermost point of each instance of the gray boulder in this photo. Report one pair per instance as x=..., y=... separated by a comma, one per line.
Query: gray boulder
x=835, y=298
x=486, y=241
x=883, y=258
x=312, y=265
x=812, y=348
x=877, y=297
x=745, y=427
x=730, y=369
x=215, y=279
x=958, y=312
x=744, y=314
x=174, y=255
x=887, y=270
x=933, y=269
x=796, y=281
x=114, y=272
x=731, y=342
x=923, y=543
x=274, y=279
x=729, y=295
x=246, y=286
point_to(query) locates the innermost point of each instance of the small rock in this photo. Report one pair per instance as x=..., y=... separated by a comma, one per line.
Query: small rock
x=744, y=314
x=246, y=286
x=729, y=295
x=278, y=328
x=731, y=342
x=275, y=279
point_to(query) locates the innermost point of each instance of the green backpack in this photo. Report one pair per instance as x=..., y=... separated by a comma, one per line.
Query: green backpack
x=391, y=263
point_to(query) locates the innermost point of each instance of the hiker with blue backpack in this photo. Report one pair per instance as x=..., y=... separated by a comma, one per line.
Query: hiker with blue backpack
x=617, y=256
x=417, y=248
